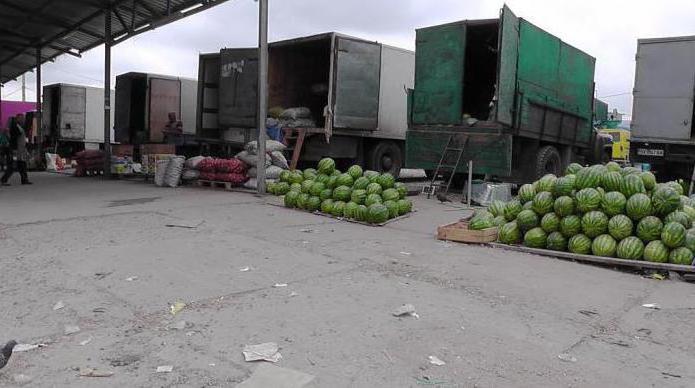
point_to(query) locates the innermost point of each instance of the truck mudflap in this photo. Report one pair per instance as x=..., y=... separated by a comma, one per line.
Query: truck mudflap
x=491, y=153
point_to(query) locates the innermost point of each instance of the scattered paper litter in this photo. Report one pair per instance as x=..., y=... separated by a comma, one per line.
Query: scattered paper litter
x=268, y=351
x=406, y=309
x=21, y=379
x=131, y=278
x=71, y=329
x=165, y=368
x=268, y=375
x=59, y=305
x=406, y=253
x=278, y=285
x=85, y=342
x=434, y=360
x=190, y=333
x=245, y=269
x=176, y=307
x=26, y=347
x=566, y=357
x=293, y=294
x=92, y=372
x=306, y=230
x=652, y=306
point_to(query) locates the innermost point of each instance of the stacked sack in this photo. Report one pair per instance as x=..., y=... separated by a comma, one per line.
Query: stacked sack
x=223, y=170
x=275, y=161
x=190, y=170
x=168, y=171
x=89, y=161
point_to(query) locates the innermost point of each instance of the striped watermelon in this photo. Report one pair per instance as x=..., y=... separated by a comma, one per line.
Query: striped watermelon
x=690, y=239
x=656, y=252
x=604, y=245
x=613, y=203
x=630, y=248
x=550, y=223
x=509, y=233
x=649, y=228
x=564, y=206
x=665, y=200
x=685, y=201
x=527, y=206
x=677, y=186
x=580, y=244
x=512, y=209
x=638, y=206
x=682, y=256
x=612, y=181
x=588, y=199
x=497, y=221
x=573, y=168
x=535, y=238
x=527, y=219
x=631, y=185
x=673, y=235
x=556, y=242
x=543, y=203
x=690, y=211
x=564, y=185
x=680, y=217
x=570, y=226
x=620, y=226
x=612, y=167
x=588, y=177
x=594, y=223
x=648, y=179
x=630, y=171
x=526, y=193
x=546, y=183
x=496, y=208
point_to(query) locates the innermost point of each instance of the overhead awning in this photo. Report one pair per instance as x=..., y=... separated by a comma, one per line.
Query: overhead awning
x=72, y=27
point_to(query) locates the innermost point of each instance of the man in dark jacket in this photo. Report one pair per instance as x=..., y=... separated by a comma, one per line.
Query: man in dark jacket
x=18, y=153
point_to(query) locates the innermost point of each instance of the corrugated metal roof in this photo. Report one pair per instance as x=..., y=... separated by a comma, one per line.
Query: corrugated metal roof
x=73, y=26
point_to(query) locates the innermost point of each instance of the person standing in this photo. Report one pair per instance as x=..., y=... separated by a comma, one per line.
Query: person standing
x=18, y=153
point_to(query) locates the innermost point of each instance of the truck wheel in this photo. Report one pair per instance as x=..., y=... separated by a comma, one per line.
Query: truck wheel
x=548, y=162
x=385, y=156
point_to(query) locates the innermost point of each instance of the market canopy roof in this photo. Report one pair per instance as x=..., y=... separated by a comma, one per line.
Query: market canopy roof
x=74, y=26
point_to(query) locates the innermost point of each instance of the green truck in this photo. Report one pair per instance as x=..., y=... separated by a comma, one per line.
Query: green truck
x=521, y=98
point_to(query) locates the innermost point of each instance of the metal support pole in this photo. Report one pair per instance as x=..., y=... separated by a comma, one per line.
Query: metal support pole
x=470, y=182
x=107, y=93
x=262, y=91
x=2, y=124
x=39, y=109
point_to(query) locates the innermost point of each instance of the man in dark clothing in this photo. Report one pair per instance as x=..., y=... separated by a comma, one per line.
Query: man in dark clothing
x=18, y=153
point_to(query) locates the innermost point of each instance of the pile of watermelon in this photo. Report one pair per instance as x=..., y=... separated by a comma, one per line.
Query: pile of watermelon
x=601, y=210
x=355, y=194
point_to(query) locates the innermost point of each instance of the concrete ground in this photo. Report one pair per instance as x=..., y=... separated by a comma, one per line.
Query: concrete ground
x=496, y=318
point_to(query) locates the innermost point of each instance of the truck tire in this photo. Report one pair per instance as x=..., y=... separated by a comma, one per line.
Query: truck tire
x=548, y=161
x=385, y=156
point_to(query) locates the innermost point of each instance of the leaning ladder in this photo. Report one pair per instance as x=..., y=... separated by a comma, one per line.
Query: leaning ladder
x=449, y=149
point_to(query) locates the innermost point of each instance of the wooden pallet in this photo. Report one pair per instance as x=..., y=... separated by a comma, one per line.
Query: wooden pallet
x=222, y=185
x=458, y=231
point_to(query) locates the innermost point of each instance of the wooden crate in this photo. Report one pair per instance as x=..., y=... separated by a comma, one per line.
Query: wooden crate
x=458, y=231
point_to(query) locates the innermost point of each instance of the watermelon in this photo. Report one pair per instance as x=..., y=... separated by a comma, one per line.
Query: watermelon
x=630, y=171
x=588, y=178
x=638, y=206
x=323, y=178
x=307, y=185
x=665, y=200
x=564, y=185
x=613, y=167
x=527, y=206
x=588, y=199
x=350, y=209
x=564, y=206
x=684, y=201
x=338, y=208
x=649, y=228
x=535, y=238
x=393, y=208
x=527, y=219
x=360, y=183
x=631, y=185
x=332, y=182
x=543, y=203
x=386, y=180
x=270, y=187
x=355, y=171
x=402, y=189
x=630, y=248
x=509, y=233
x=285, y=176
x=372, y=199
x=313, y=203
x=601, y=192
x=604, y=245
x=690, y=212
x=580, y=244
x=648, y=179
x=345, y=180
x=302, y=200
x=326, y=166
x=404, y=206
x=296, y=177
x=677, y=186
x=680, y=217
x=682, y=256
x=690, y=239
x=358, y=196
x=361, y=213
x=371, y=175
x=390, y=195
x=296, y=187
x=499, y=221
x=327, y=206
x=317, y=188
x=526, y=193
x=556, y=242
x=656, y=252
x=512, y=209
x=309, y=173
x=570, y=226
x=481, y=220
x=291, y=199
x=546, y=183
x=612, y=181
x=377, y=213
x=620, y=226
x=326, y=194
x=673, y=234
x=573, y=168
x=336, y=173
x=496, y=208
x=594, y=223
x=613, y=203
x=374, y=188
x=342, y=193
x=550, y=223
x=282, y=188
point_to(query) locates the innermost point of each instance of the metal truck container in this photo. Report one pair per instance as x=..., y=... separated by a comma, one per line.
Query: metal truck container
x=355, y=89
x=74, y=113
x=521, y=96
x=143, y=104
x=662, y=115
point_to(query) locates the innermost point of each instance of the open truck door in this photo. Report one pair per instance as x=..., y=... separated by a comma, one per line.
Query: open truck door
x=165, y=98
x=508, y=49
x=357, y=69
x=238, y=88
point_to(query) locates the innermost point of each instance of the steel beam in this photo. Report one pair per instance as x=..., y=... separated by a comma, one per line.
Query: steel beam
x=107, y=93
x=39, y=109
x=262, y=92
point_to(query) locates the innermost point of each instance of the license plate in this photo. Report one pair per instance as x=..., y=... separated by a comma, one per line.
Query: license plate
x=650, y=152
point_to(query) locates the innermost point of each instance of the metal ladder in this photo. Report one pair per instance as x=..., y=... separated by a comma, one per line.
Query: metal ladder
x=449, y=148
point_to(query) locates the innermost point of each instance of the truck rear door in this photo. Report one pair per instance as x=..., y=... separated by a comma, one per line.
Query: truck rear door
x=207, y=121
x=508, y=49
x=73, y=101
x=664, y=88
x=357, y=68
x=238, y=88
x=165, y=97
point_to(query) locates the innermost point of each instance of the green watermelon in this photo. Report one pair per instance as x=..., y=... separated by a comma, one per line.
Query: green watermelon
x=313, y=203
x=527, y=219
x=580, y=244
x=680, y=217
x=673, y=234
x=371, y=175
x=690, y=239
x=546, y=183
x=270, y=187
x=285, y=176
x=564, y=185
x=360, y=183
x=550, y=223
x=613, y=167
x=342, y=193
x=543, y=203
x=509, y=233
x=336, y=173
x=332, y=182
x=386, y=180
x=527, y=206
x=630, y=171
x=296, y=177
x=620, y=226
x=613, y=203
x=594, y=223
x=309, y=173
x=402, y=189
x=326, y=194
x=631, y=185
x=390, y=195
x=496, y=208
x=377, y=213
x=638, y=206
x=682, y=256
x=570, y=226
x=355, y=171
x=589, y=177
x=665, y=200
x=648, y=179
x=338, y=208
x=677, y=186
x=656, y=252
x=282, y=188
x=361, y=213
x=302, y=200
x=291, y=198
x=404, y=206
x=612, y=181
x=601, y=192
x=327, y=206
x=326, y=166
x=556, y=242
x=323, y=178
x=358, y=196
x=512, y=209
x=685, y=201
x=649, y=228
x=374, y=188
x=345, y=180
x=393, y=209
x=573, y=168
x=296, y=187
x=307, y=185
x=526, y=193
x=317, y=188
x=564, y=206
x=588, y=199
x=604, y=245
x=350, y=209
x=535, y=238
x=372, y=199
x=630, y=248
x=499, y=221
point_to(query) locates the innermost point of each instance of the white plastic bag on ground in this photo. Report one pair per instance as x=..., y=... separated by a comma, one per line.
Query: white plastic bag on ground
x=192, y=163
x=160, y=172
x=270, y=146
x=278, y=159
x=273, y=172
x=172, y=177
x=190, y=174
x=51, y=162
x=252, y=159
